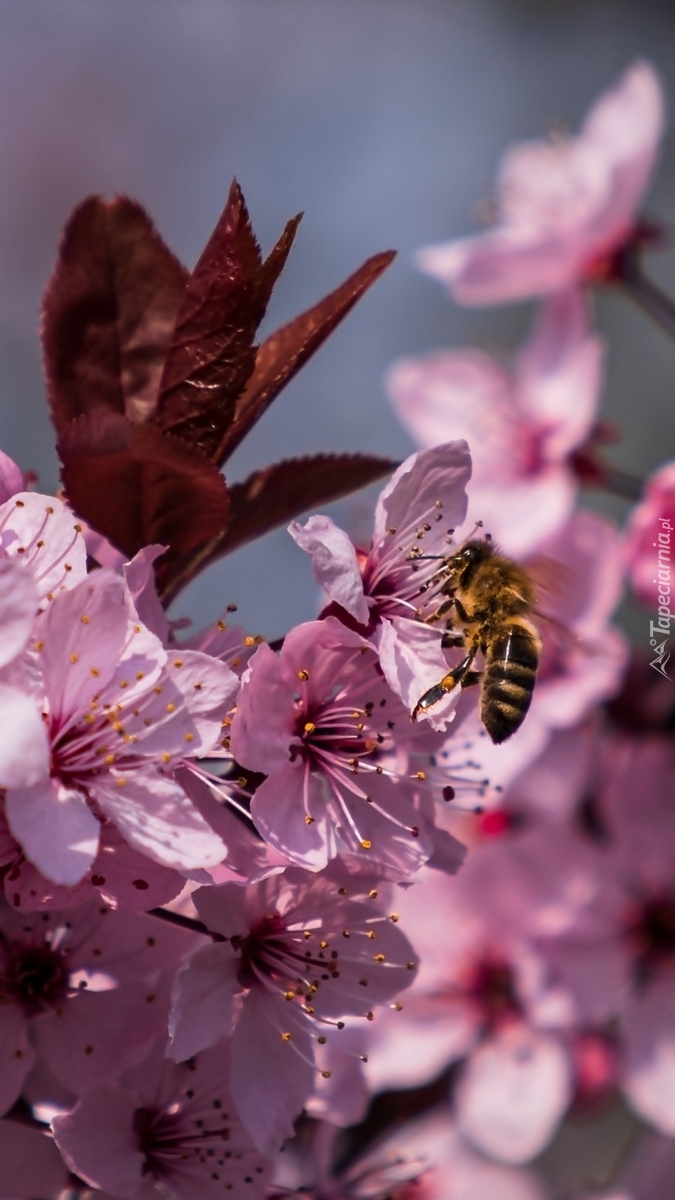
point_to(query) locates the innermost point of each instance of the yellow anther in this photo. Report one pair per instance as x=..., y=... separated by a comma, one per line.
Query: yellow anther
x=166, y=757
x=221, y=626
x=307, y=933
x=325, y=1074
x=120, y=783
x=346, y=933
x=77, y=528
x=249, y=641
x=393, y=917
x=323, y=944
x=171, y=708
x=285, y=1037
x=95, y=672
x=288, y=995
x=189, y=737
x=39, y=645
x=85, y=619
x=378, y=958
x=421, y=775
x=309, y=820
x=140, y=674
x=366, y=844
x=124, y=683
x=49, y=509
x=411, y=965
x=309, y=727
x=74, y=658
x=109, y=759
x=397, y=1007
x=90, y=719
x=371, y=934
x=304, y=675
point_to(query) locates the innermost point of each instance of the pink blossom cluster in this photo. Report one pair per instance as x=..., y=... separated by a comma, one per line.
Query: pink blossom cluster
x=245, y=893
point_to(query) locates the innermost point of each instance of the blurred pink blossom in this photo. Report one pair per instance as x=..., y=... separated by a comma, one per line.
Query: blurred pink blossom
x=566, y=205
x=650, y=542
x=522, y=424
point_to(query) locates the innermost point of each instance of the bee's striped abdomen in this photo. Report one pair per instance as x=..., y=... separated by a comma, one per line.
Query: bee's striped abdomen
x=508, y=681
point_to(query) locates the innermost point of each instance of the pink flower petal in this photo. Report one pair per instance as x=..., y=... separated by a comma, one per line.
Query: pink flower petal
x=334, y=563
x=56, y=828
x=271, y=1076
x=438, y=474
x=512, y=1094
x=140, y=580
x=95, y=1036
x=412, y=661
x=83, y=634
x=154, y=815
x=202, y=1009
x=18, y=606
x=97, y=1140
x=11, y=478
x=53, y=546
x=16, y=1056
x=649, y=1040
x=560, y=373
x=24, y=747
x=279, y=815
x=263, y=744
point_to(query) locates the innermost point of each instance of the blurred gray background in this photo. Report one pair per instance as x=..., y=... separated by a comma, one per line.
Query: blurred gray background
x=383, y=120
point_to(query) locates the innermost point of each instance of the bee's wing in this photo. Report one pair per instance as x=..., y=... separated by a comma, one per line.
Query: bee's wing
x=554, y=584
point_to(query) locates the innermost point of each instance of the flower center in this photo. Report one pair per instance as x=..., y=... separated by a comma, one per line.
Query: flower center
x=35, y=977
x=492, y=988
x=651, y=932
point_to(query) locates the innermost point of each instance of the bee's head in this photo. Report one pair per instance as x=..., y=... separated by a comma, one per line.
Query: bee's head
x=470, y=555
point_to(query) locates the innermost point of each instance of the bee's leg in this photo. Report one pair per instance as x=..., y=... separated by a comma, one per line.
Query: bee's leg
x=451, y=641
x=441, y=611
x=447, y=684
x=471, y=678
x=462, y=613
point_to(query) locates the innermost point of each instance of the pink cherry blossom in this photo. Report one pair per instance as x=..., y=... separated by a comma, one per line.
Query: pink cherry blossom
x=482, y=995
x=522, y=423
x=164, y=1129
x=119, y=714
x=379, y=591
x=319, y=720
x=300, y=952
x=82, y=990
x=425, y=1159
x=565, y=205
x=12, y=478
x=650, y=547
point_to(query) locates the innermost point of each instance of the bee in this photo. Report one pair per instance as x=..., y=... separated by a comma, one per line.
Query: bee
x=487, y=606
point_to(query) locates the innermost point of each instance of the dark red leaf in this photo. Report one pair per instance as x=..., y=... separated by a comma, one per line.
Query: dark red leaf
x=286, y=351
x=213, y=350
x=277, y=494
x=136, y=486
x=109, y=312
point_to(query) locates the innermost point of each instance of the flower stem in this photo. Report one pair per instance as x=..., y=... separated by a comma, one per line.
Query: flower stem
x=622, y=483
x=646, y=294
x=174, y=918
